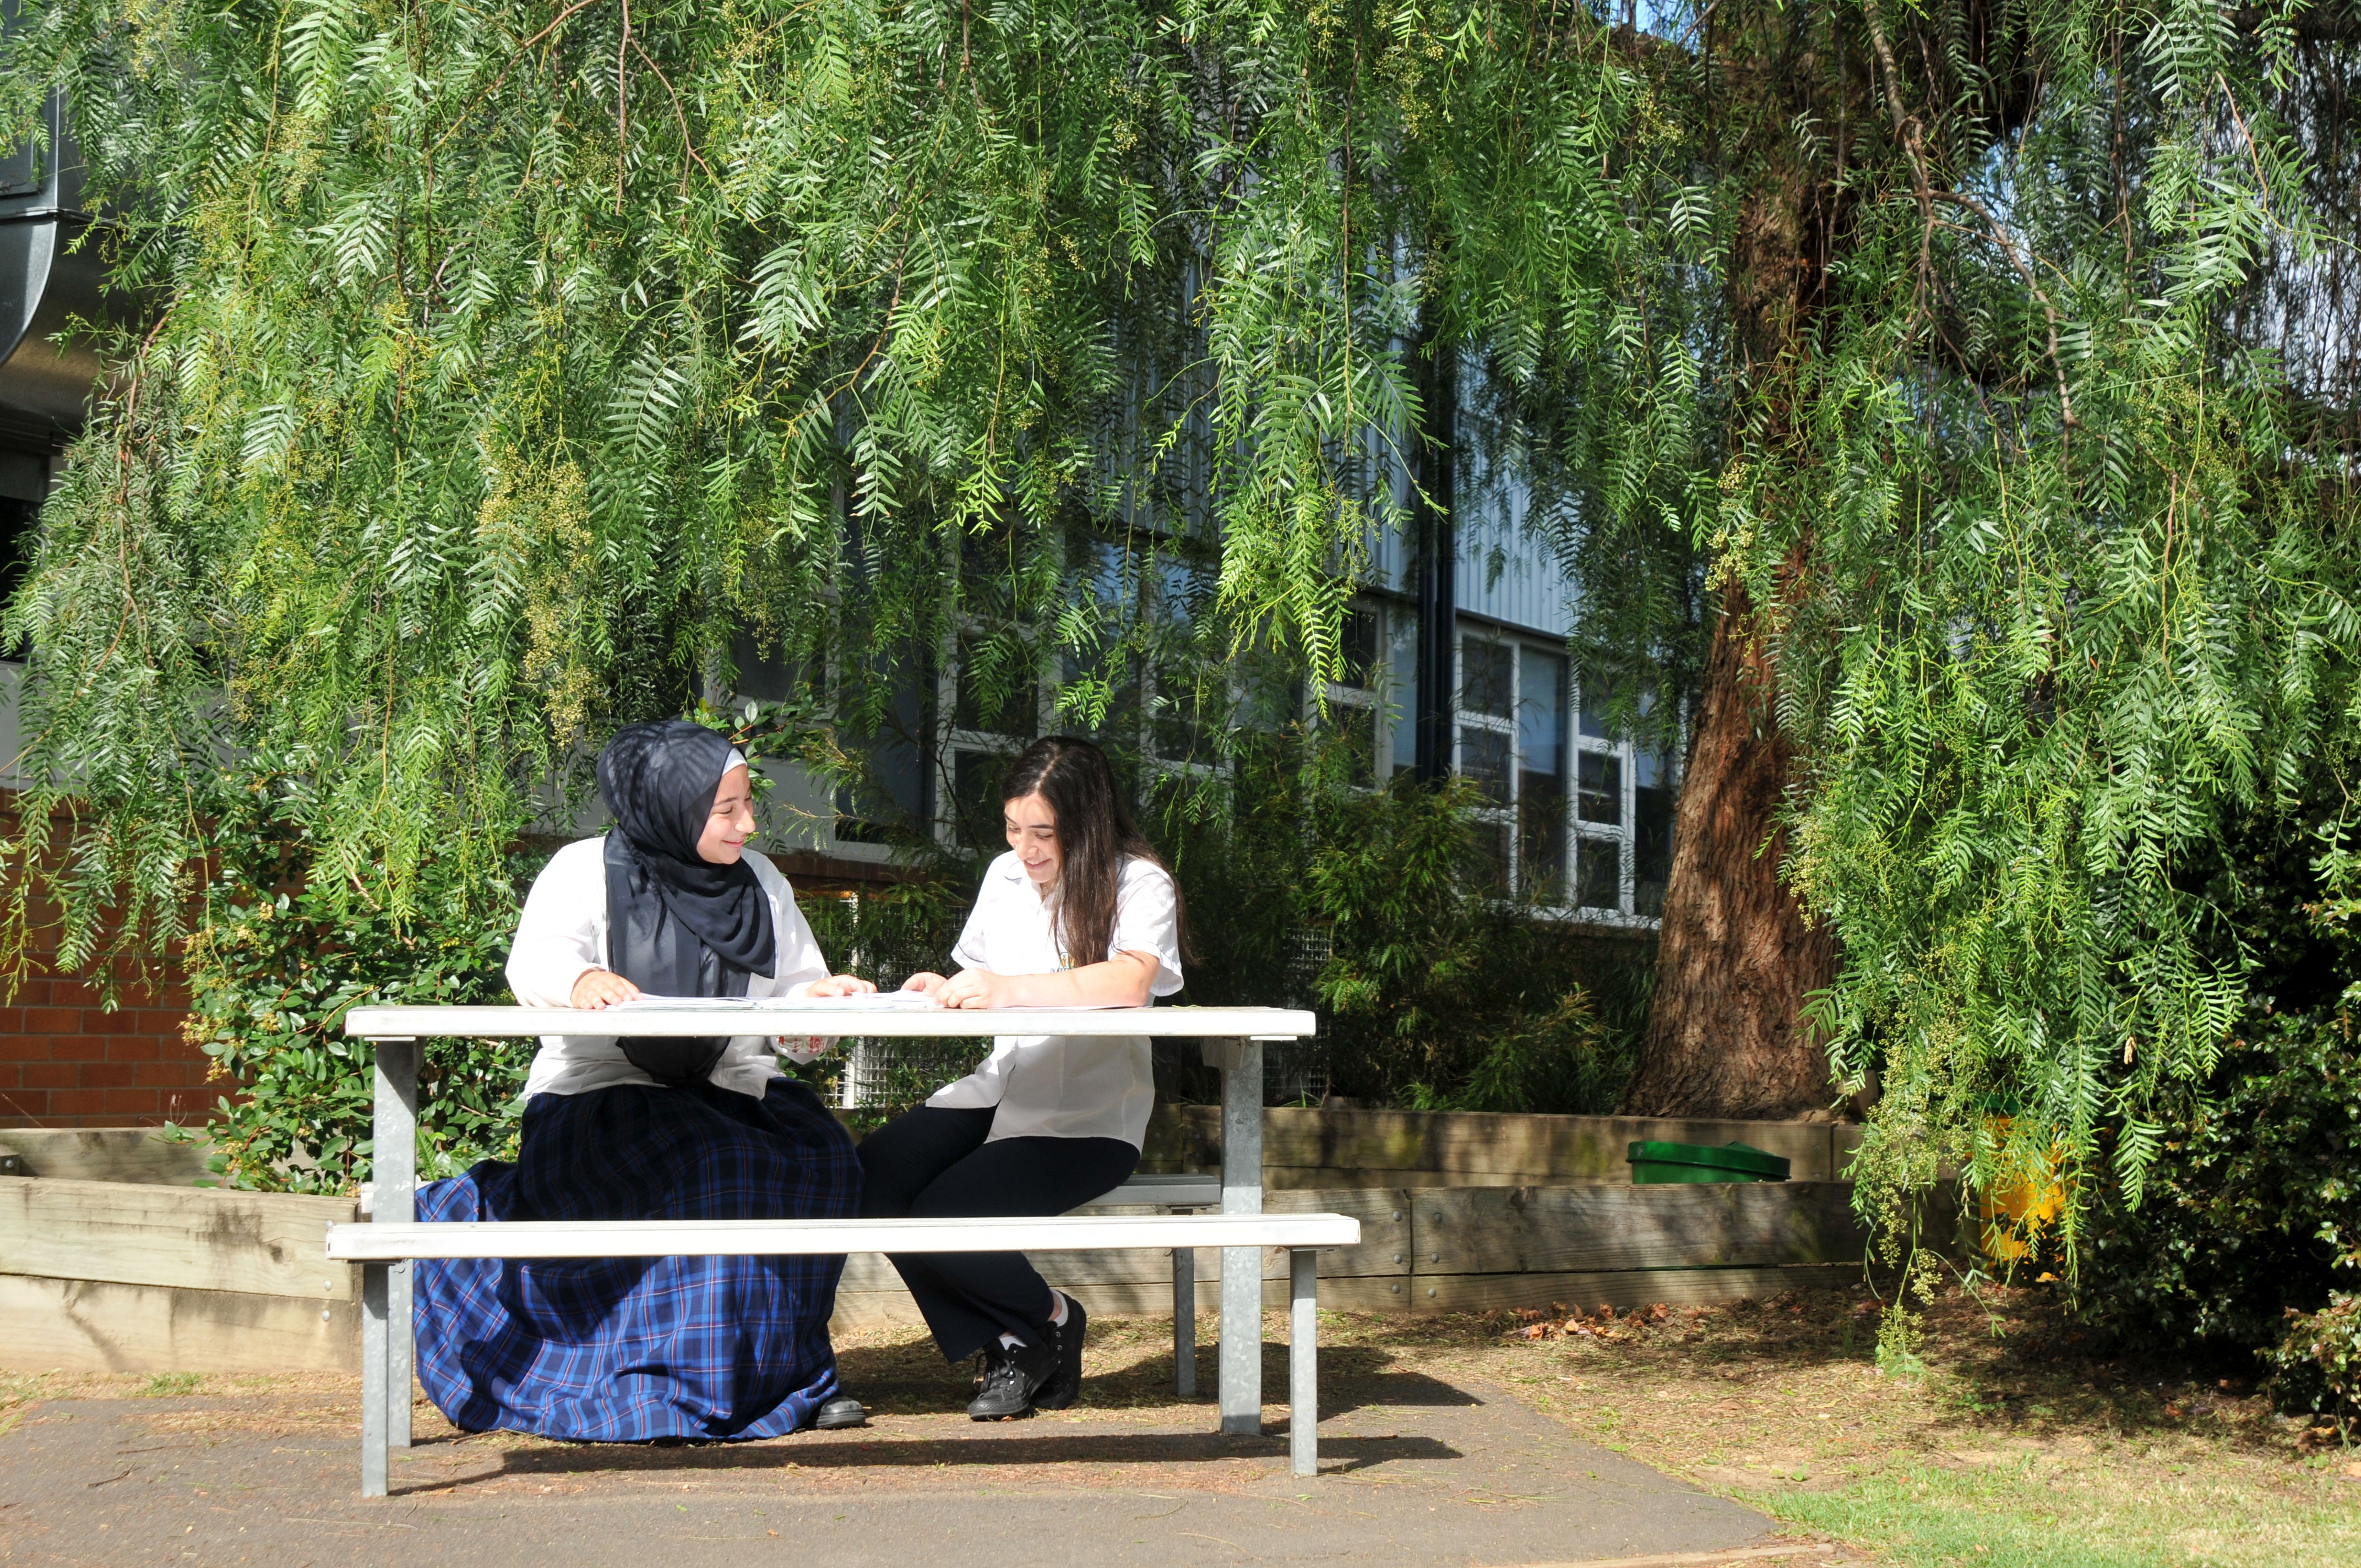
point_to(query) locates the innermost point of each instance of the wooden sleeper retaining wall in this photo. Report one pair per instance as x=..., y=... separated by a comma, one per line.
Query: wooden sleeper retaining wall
x=109, y=1262
x=1322, y=1148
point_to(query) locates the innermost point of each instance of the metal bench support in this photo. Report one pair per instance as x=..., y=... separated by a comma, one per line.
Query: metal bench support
x=1241, y=1353
x=388, y=1340
x=1303, y=1360
x=1185, y=1321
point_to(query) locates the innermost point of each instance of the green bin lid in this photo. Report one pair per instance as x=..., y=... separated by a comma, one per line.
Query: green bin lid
x=1724, y=1157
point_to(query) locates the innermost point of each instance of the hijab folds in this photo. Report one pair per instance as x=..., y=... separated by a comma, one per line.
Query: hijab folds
x=677, y=925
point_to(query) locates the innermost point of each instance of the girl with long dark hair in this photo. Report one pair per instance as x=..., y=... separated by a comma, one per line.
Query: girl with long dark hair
x=1080, y=912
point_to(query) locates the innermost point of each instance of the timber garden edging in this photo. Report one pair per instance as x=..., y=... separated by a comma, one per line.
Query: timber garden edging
x=109, y=1262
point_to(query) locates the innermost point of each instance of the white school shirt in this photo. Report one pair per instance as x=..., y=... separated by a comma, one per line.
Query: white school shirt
x=563, y=932
x=1061, y=1086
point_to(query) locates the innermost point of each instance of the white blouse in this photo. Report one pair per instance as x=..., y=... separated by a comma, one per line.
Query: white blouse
x=563, y=932
x=1059, y=1086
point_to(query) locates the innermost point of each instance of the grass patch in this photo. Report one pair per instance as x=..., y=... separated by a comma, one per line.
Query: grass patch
x=169, y=1385
x=2020, y=1443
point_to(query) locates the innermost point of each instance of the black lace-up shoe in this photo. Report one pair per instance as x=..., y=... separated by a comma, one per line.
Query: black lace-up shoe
x=1011, y=1378
x=843, y=1410
x=1065, y=1385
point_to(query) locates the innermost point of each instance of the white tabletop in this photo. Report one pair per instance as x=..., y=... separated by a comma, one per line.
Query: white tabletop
x=486, y=1023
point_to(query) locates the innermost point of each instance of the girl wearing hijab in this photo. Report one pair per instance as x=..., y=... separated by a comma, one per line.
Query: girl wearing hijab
x=668, y=902
x=1079, y=913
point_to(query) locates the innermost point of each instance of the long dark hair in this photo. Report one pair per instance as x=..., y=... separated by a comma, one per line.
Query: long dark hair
x=1095, y=836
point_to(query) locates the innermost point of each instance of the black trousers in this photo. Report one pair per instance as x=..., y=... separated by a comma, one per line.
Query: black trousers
x=934, y=1164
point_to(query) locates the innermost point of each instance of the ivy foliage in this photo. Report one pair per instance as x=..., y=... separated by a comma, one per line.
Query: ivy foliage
x=1992, y=362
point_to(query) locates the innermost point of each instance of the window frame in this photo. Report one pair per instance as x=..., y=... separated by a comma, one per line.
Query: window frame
x=1397, y=622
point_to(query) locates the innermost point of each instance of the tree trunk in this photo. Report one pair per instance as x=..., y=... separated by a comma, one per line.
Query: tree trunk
x=1735, y=960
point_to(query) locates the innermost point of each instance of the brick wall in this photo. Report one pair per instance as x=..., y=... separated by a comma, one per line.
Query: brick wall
x=65, y=1062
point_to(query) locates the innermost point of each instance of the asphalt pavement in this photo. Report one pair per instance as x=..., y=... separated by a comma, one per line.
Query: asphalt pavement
x=1414, y=1471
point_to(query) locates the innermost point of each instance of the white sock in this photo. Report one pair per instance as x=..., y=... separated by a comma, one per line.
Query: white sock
x=1057, y=1309
x=1010, y=1341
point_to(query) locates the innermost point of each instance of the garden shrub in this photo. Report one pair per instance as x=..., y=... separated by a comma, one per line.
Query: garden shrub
x=2316, y=1365
x=2253, y=1207
x=278, y=962
x=2250, y=1225
x=1357, y=903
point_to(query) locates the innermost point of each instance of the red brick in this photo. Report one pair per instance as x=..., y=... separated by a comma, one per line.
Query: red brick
x=76, y=1102
x=48, y=1074
x=53, y=1020
x=135, y=1048
x=105, y=1074
x=23, y=1047
x=34, y=992
x=24, y=1107
x=122, y=1021
x=75, y=1047
x=131, y=1103
x=168, y=1075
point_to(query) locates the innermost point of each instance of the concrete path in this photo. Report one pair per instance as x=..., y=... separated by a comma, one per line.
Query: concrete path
x=1414, y=1471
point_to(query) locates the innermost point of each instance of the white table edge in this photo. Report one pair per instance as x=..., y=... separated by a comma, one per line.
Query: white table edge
x=381, y=1241
x=491, y=1023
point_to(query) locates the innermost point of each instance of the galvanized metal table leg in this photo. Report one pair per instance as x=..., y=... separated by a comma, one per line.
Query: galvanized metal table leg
x=373, y=1400
x=1241, y=1352
x=1185, y=1321
x=1303, y=1360
x=394, y=1172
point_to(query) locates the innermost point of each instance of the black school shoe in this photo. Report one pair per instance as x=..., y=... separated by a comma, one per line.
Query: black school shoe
x=1065, y=1385
x=843, y=1410
x=1011, y=1378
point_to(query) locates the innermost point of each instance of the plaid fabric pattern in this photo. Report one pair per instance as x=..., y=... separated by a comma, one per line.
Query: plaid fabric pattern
x=621, y=1350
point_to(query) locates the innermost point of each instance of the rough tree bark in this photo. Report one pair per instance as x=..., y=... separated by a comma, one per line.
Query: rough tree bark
x=1735, y=960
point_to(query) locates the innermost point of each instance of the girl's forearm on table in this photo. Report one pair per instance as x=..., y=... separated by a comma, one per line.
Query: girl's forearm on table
x=1120, y=981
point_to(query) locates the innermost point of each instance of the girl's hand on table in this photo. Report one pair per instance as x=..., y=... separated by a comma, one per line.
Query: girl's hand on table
x=977, y=988
x=841, y=985
x=926, y=983
x=597, y=988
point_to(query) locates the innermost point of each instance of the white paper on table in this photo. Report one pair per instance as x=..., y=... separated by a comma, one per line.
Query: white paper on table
x=880, y=1002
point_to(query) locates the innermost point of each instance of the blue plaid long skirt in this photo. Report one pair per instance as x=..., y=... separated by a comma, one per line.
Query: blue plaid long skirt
x=620, y=1350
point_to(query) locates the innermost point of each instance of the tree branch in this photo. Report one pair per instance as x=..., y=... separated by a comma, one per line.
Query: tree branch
x=1912, y=136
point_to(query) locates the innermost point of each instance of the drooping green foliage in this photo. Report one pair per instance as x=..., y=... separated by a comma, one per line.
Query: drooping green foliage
x=1992, y=361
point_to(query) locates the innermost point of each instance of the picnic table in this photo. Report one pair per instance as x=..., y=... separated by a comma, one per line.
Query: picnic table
x=1233, y=1040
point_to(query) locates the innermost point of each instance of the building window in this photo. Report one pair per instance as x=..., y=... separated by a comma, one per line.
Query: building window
x=1570, y=818
x=1623, y=819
